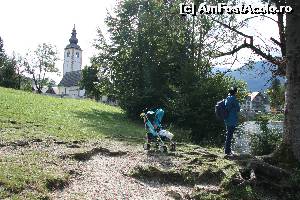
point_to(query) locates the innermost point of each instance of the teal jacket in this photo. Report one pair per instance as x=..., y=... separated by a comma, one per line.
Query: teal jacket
x=233, y=107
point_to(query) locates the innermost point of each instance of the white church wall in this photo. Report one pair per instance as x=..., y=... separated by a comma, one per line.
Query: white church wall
x=73, y=91
x=77, y=60
x=61, y=90
x=72, y=60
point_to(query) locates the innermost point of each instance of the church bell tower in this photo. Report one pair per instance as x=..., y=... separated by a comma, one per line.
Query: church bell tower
x=72, y=55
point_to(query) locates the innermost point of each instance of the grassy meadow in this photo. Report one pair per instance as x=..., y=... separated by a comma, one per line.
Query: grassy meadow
x=25, y=115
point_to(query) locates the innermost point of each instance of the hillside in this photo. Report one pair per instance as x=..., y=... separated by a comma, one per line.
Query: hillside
x=69, y=119
x=53, y=148
x=257, y=77
x=35, y=130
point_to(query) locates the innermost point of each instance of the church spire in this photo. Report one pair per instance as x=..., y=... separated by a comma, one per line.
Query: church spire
x=73, y=39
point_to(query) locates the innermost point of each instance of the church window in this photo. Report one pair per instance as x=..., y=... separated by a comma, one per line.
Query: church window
x=77, y=54
x=68, y=54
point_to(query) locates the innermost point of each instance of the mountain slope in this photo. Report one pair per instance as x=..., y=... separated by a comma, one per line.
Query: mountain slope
x=258, y=77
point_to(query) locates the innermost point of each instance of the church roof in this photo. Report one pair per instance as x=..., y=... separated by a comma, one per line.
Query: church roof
x=73, y=41
x=71, y=79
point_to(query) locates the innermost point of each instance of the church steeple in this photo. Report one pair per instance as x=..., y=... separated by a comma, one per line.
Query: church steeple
x=73, y=40
x=69, y=85
x=73, y=54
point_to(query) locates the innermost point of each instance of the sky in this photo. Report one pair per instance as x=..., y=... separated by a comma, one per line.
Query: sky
x=26, y=23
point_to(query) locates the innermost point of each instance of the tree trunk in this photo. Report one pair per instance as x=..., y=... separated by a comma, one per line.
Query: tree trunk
x=290, y=148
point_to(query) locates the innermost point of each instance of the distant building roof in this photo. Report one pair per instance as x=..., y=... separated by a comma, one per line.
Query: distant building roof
x=55, y=89
x=71, y=79
x=52, y=90
x=253, y=95
x=44, y=88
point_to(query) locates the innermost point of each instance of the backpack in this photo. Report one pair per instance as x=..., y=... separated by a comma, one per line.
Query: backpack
x=220, y=110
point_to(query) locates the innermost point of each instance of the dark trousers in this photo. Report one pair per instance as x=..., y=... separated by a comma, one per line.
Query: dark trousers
x=229, y=134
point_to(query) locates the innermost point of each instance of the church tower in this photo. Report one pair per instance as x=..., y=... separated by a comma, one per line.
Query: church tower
x=70, y=83
x=72, y=55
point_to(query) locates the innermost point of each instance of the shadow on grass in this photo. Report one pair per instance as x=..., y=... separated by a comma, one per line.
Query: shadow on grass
x=111, y=125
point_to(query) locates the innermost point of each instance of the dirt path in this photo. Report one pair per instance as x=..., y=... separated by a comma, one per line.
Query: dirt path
x=51, y=169
x=107, y=177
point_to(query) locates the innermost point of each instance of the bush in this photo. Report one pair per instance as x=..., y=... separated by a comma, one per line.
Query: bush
x=267, y=140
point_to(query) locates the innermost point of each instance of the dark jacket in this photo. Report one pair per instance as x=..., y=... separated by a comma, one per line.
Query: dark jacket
x=233, y=107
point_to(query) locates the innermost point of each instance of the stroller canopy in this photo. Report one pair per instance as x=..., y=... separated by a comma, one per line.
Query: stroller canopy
x=159, y=114
x=156, y=123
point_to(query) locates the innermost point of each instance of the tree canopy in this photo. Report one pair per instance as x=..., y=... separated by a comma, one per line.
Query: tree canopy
x=41, y=62
x=157, y=58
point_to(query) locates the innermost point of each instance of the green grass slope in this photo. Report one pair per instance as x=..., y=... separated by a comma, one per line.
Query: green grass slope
x=30, y=172
x=24, y=115
x=37, y=133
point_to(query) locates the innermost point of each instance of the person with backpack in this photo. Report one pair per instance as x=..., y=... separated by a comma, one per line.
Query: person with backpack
x=232, y=108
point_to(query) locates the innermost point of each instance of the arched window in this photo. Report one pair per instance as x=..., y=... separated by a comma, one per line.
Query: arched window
x=68, y=54
x=77, y=54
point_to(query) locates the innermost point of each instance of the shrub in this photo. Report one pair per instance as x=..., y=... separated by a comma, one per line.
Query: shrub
x=267, y=140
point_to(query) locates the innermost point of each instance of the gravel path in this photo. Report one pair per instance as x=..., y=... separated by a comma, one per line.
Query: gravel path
x=105, y=177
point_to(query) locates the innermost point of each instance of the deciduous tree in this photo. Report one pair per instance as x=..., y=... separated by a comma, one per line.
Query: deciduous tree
x=90, y=81
x=156, y=58
x=40, y=63
x=290, y=148
x=286, y=65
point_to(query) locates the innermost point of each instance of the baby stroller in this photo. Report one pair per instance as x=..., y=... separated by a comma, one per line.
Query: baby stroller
x=155, y=132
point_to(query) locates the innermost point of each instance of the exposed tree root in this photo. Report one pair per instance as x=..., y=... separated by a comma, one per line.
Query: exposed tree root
x=83, y=156
x=179, y=176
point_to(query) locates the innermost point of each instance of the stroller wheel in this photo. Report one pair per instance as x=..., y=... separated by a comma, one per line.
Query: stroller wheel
x=173, y=147
x=163, y=149
x=146, y=146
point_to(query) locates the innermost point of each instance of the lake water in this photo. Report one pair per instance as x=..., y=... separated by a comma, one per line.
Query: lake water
x=243, y=134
